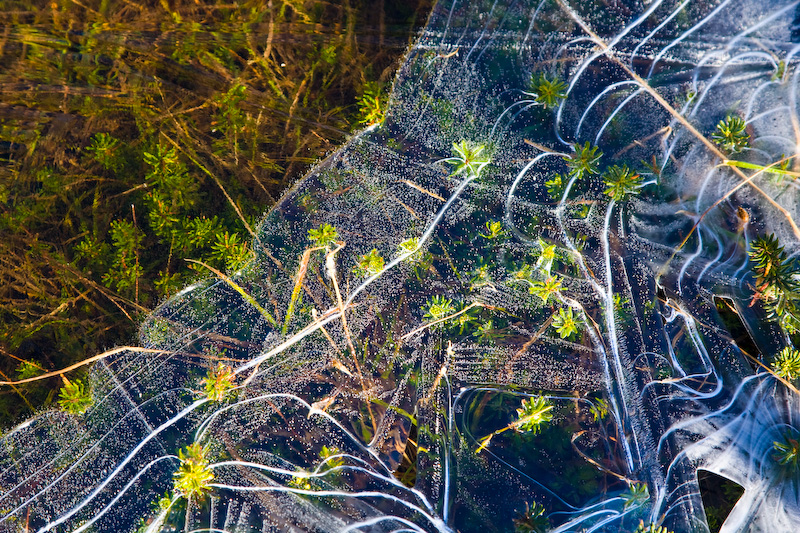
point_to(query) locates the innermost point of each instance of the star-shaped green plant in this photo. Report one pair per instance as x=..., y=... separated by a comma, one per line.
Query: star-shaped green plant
x=371, y=105
x=730, y=134
x=584, y=160
x=775, y=272
x=369, y=264
x=194, y=474
x=218, y=382
x=546, y=258
x=555, y=187
x=534, y=413
x=468, y=158
x=565, y=323
x=439, y=307
x=787, y=451
x=620, y=182
x=330, y=461
x=547, y=92
x=494, y=230
x=547, y=288
x=74, y=398
x=532, y=520
x=323, y=236
x=599, y=410
x=787, y=364
x=636, y=496
x=410, y=249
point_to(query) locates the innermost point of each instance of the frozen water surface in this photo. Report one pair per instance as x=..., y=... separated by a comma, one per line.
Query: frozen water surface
x=377, y=373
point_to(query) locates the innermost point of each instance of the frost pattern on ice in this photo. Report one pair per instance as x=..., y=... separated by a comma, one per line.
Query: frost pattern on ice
x=370, y=377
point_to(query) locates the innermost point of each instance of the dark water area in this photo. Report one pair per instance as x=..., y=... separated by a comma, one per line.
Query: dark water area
x=135, y=135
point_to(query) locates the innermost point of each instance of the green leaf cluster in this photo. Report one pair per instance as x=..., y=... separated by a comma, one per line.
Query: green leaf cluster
x=548, y=92
x=194, y=474
x=777, y=282
x=74, y=398
x=730, y=134
x=532, y=520
x=534, y=413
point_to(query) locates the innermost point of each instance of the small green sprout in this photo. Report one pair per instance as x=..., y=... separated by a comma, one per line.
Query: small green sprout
x=787, y=364
x=584, y=160
x=324, y=236
x=467, y=318
x=533, y=414
x=780, y=71
x=300, y=482
x=218, y=382
x=775, y=272
x=371, y=105
x=787, y=451
x=468, y=158
x=194, y=474
x=532, y=520
x=621, y=182
x=546, y=258
x=328, y=457
x=555, y=187
x=27, y=369
x=636, y=496
x=369, y=264
x=439, y=307
x=548, y=93
x=74, y=398
x=102, y=148
x=547, y=288
x=410, y=249
x=730, y=134
x=481, y=277
x=494, y=230
x=651, y=528
x=599, y=409
x=565, y=323
x=486, y=332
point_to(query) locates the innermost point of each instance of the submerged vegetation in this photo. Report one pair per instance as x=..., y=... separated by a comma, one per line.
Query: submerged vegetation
x=500, y=306
x=121, y=160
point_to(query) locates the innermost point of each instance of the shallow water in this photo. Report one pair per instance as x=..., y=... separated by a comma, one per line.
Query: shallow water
x=412, y=376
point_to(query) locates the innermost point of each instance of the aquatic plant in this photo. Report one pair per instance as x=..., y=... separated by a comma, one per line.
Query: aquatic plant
x=439, y=307
x=564, y=323
x=776, y=280
x=194, y=476
x=584, y=160
x=599, y=409
x=549, y=93
x=730, y=134
x=787, y=363
x=74, y=398
x=218, y=382
x=532, y=520
x=494, y=230
x=787, y=450
x=621, y=182
x=372, y=104
x=636, y=495
x=534, y=413
x=324, y=236
x=650, y=528
x=468, y=158
x=545, y=289
x=370, y=264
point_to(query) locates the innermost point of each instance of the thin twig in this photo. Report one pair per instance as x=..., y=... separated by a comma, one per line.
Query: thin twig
x=85, y=362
